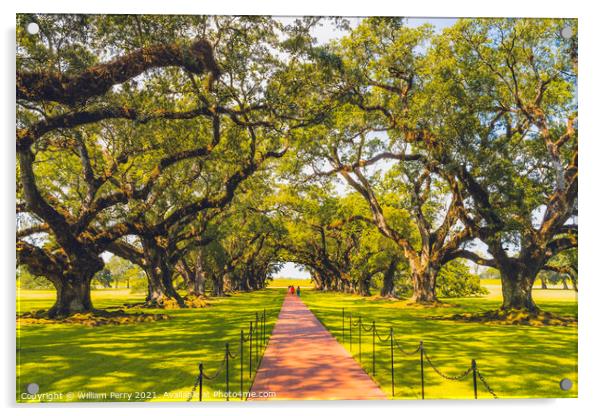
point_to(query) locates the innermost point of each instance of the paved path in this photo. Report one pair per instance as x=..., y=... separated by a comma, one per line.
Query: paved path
x=303, y=361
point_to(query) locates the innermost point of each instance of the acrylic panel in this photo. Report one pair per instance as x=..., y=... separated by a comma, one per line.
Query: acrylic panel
x=234, y=208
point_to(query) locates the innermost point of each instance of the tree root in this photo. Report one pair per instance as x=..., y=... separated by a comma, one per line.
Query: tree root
x=196, y=301
x=513, y=317
x=95, y=318
x=190, y=301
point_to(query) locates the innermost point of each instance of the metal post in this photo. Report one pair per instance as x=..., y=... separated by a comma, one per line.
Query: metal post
x=422, y=368
x=200, y=382
x=474, y=377
x=250, y=348
x=360, y=338
x=256, y=328
x=241, y=352
x=373, y=348
x=350, y=335
x=256, y=345
x=227, y=372
x=343, y=327
x=392, y=368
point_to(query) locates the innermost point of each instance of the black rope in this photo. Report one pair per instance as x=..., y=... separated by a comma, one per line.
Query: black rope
x=453, y=378
x=381, y=338
x=403, y=351
x=233, y=356
x=489, y=389
x=218, y=372
x=390, y=337
x=196, y=384
x=368, y=328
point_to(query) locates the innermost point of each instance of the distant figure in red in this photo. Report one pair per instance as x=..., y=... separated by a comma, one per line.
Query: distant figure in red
x=291, y=290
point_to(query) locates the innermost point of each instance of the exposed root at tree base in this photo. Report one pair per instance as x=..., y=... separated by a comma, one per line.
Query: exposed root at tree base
x=95, y=318
x=512, y=317
x=387, y=297
x=196, y=301
x=411, y=303
x=190, y=301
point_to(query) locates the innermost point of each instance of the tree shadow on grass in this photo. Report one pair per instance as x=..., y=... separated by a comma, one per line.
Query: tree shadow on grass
x=156, y=356
x=517, y=361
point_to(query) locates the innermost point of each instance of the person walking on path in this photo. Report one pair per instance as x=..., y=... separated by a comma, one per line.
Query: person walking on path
x=298, y=291
x=291, y=290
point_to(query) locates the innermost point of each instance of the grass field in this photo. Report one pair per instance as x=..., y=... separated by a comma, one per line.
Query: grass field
x=517, y=361
x=284, y=283
x=159, y=357
x=162, y=356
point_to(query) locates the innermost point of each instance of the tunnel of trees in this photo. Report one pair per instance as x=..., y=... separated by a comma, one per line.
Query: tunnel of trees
x=207, y=151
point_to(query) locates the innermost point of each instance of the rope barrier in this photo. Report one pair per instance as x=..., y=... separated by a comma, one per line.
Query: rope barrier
x=453, y=378
x=489, y=389
x=196, y=384
x=392, y=342
x=257, y=339
x=217, y=373
x=381, y=338
x=405, y=352
x=369, y=328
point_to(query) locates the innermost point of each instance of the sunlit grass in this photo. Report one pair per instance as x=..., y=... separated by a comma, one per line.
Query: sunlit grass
x=517, y=361
x=284, y=283
x=160, y=357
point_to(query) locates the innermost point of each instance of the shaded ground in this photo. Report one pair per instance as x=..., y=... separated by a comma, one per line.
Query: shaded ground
x=158, y=357
x=517, y=360
x=304, y=362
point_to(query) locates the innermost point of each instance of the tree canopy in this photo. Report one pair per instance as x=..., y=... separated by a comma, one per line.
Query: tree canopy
x=208, y=150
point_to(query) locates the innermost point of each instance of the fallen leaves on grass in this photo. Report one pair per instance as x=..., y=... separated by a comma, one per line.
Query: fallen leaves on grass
x=97, y=318
x=512, y=317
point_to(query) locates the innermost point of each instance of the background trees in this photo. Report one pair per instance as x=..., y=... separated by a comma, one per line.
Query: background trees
x=116, y=177
x=208, y=150
x=505, y=92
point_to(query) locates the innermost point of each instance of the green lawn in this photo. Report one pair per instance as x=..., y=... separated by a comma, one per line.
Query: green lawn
x=517, y=361
x=160, y=357
x=284, y=283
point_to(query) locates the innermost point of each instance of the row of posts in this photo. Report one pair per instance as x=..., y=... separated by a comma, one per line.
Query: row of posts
x=392, y=355
x=257, y=338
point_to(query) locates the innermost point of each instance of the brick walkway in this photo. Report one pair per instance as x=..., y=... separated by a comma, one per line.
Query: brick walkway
x=303, y=361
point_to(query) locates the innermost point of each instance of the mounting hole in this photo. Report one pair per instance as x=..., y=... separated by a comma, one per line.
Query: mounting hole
x=33, y=388
x=566, y=32
x=566, y=384
x=33, y=28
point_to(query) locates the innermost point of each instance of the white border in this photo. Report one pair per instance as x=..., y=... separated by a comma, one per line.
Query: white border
x=590, y=348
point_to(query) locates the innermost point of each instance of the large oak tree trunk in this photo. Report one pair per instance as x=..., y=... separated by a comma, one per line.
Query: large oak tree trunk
x=71, y=277
x=388, y=280
x=318, y=281
x=160, y=277
x=565, y=286
x=364, y=286
x=199, y=277
x=72, y=296
x=544, y=284
x=424, y=282
x=160, y=287
x=218, y=285
x=517, y=286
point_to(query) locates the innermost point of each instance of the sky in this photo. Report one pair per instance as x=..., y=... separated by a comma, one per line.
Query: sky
x=324, y=34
